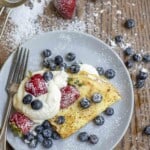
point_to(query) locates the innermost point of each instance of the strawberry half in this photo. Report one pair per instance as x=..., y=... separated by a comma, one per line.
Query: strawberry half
x=20, y=124
x=69, y=95
x=36, y=85
x=65, y=8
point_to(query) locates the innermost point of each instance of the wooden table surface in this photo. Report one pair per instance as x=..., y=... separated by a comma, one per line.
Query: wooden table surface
x=104, y=19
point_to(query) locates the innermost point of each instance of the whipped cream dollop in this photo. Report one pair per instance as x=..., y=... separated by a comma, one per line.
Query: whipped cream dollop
x=50, y=100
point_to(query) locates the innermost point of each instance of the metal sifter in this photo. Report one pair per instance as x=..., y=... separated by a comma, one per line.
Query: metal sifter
x=8, y=4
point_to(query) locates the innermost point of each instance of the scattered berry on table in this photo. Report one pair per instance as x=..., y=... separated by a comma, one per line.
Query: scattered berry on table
x=40, y=138
x=27, y=99
x=47, y=53
x=118, y=38
x=71, y=56
x=55, y=136
x=60, y=120
x=93, y=139
x=100, y=70
x=128, y=51
x=146, y=58
x=147, y=130
x=109, y=111
x=75, y=68
x=20, y=122
x=130, y=23
x=63, y=66
x=48, y=76
x=140, y=83
x=85, y=103
x=47, y=133
x=99, y=120
x=46, y=124
x=58, y=60
x=143, y=74
x=36, y=85
x=46, y=62
x=129, y=63
x=83, y=136
x=33, y=143
x=97, y=98
x=65, y=8
x=47, y=143
x=137, y=57
x=110, y=73
x=39, y=129
x=36, y=104
x=69, y=95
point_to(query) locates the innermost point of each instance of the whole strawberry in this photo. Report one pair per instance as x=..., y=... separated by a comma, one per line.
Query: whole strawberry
x=20, y=124
x=65, y=8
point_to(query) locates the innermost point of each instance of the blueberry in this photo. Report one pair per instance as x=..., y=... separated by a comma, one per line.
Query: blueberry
x=83, y=136
x=140, y=83
x=110, y=73
x=109, y=111
x=70, y=56
x=52, y=66
x=46, y=62
x=128, y=51
x=75, y=68
x=29, y=136
x=130, y=23
x=33, y=143
x=55, y=136
x=48, y=76
x=129, y=63
x=137, y=57
x=36, y=104
x=58, y=60
x=147, y=130
x=93, y=139
x=142, y=75
x=39, y=129
x=85, y=103
x=118, y=39
x=47, y=53
x=47, y=143
x=96, y=98
x=47, y=133
x=60, y=120
x=99, y=120
x=146, y=58
x=63, y=66
x=40, y=138
x=100, y=70
x=46, y=125
x=27, y=99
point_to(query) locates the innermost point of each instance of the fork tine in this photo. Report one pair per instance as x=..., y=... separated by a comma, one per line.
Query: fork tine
x=23, y=65
x=19, y=69
x=13, y=67
x=1, y=10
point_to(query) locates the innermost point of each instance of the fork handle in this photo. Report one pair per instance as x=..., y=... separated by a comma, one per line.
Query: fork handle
x=5, y=122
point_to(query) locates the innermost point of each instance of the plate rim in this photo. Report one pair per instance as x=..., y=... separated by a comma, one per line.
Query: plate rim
x=106, y=45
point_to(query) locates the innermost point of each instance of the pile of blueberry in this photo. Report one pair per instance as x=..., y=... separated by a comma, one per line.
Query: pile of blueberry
x=134, y=57
x=42, y=134
x=57, y=63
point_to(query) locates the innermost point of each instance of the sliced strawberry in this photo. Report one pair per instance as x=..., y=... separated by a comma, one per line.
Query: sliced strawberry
x=69, y=95
x=36, y=85
x=20, y=123
x=65, y=8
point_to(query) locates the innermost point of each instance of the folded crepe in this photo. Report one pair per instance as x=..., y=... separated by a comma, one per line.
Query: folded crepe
x=76, y=116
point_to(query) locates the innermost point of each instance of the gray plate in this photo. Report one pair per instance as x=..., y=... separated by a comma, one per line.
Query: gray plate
x=88, y=50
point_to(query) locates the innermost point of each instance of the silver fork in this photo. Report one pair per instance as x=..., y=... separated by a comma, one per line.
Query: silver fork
x=16, y=74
